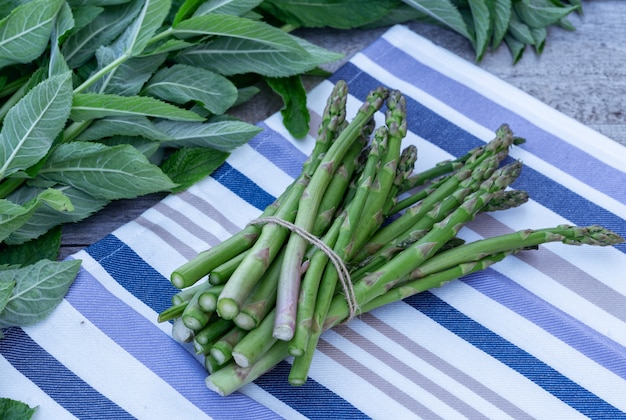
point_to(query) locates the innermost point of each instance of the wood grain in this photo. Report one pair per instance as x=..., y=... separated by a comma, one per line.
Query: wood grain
x=580, y=73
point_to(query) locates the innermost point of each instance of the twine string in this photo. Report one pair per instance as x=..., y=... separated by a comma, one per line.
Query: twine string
x=340, y=266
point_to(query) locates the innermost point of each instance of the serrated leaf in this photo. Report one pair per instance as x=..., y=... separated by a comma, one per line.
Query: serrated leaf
x=230, y=56
x=64, y=23
x=149, y=19
x=481, y=16
x=39, y=289
x=444, y=12
x=540, y=13
x=227, y=7
x=46, y=246
x=501, y=18
x=127, y=78
x=13, y=216
x=45, y=218
x=171, y=45
x=346, y=14
x=189, y=165
x=519, y=30
x=221, y=135
x=228, y=26
x=25, y=32
x=79, y=3
x=123, y=126
x=6, y=289
x=108, y=25
x=147, y=147
x=296, y=116
x=186, y=9
x=89, y=106
x=105, y=172
x=32, y=124
x=515, y=47
x=15, y=410
x=181, y=83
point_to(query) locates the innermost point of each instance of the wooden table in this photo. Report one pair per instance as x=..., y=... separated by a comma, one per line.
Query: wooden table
x=581, y=73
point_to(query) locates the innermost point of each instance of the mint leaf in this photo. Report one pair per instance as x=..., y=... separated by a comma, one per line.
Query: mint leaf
x=123, y=126
x=25, y=32
x=105, y=172
x=227, y=7
x=46, y=247
x=15, y=410
x=39, y=288
x=344, y=14
x=32, y=124
x=220, y=135
x=89, y=106
x=442, y=11
x=181, y=84
x=13, y=216
x=187, y=166
x=295, y=113
x=148, y=21
x=6, y=290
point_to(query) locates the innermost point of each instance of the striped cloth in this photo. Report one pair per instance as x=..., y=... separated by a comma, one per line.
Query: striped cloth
x=539, y=335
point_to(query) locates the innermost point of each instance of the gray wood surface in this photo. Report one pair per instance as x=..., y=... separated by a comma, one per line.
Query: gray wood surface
x=581, y=73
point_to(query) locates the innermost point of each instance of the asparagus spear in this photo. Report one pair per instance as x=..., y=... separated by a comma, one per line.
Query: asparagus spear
x=289, y=282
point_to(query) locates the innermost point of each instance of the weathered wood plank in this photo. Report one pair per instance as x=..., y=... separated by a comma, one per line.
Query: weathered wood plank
x=581, y=74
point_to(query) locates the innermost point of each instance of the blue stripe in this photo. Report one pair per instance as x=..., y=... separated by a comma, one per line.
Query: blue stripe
x=456, y=141
x=512, y=356
x=149, y=286
x=491, y=114
x=311, y=399
x=284, y=154
x=243, y=186
x=571, y=331
x=56, y=380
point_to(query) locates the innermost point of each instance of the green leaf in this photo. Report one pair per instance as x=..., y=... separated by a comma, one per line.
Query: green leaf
x=13, y=216
x=123, y=126
x=79, y=3
x=539, y=35
x=105, y=172
x=227, y=7
x=187, y=166
x=33, y=123
x=239, y=28
x=108, y=25
x=46, y=246
x=520, y=31
x=230, y=56
x=25, y=32
x=181, y=84
x=89, y=106
x=45, y=218
x=540, y=13
x=185, y=10
x=444, y=12
x=127, y=78
x=64, y=23
x=147, y=147
x=516, y=47
x=481, y=17
x=15, y=410
x=39, y=288
x=145, y=25
x=343, y=14
x=501, y=17
x=6, y=290
x=296, y=116
x=221, y=135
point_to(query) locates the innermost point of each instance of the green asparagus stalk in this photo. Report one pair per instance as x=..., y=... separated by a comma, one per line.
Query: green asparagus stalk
x=289, y=282
x=405, y=168
x=256, y=342
x=221, y=274
x=207, y=299
x=222, y=349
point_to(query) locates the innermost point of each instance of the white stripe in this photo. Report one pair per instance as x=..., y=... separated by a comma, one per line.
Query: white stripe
x=379, y=367
x=100, y=362
x=447, y=112
x=18, y=387
x=268, y=400
x=474, y=362
x=457, y=389
x=361, y=394
x=543, y=345
x=508, y=96
x=558, y=295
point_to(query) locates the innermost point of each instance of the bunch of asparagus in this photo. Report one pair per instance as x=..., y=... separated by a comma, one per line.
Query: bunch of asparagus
x=358, y=229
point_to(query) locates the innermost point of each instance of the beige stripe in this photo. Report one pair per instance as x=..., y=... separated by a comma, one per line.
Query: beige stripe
x=376, y=380
x=445, y=367
x=389, y=359
x=173, y=241
x=206, y=208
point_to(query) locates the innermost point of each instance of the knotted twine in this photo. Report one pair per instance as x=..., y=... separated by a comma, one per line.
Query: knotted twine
x=340, y=266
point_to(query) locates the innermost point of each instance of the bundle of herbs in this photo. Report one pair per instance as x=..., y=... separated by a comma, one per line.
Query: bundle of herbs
x=358, y=229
